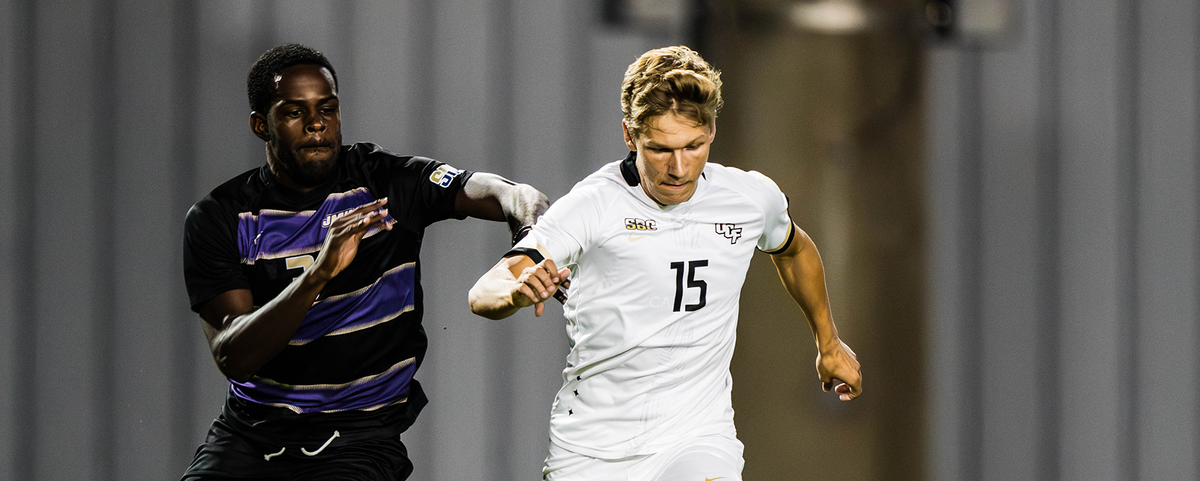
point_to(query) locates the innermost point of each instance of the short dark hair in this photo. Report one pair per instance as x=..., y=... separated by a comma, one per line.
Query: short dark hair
x=261, y=79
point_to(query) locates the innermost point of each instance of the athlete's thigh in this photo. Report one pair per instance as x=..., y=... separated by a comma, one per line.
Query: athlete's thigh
x=228, y=455
x=376, y=460
x=563, y=465
x=706, y=458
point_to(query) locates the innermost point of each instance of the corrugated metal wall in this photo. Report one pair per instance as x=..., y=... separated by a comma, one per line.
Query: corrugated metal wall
x=1064, y=189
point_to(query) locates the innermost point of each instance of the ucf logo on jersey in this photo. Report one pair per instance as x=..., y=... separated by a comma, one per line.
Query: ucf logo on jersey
x=730, y=231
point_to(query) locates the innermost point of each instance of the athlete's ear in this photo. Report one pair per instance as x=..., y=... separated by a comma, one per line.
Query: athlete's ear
x=628, y=138
x=712, y=131
x=258, y=125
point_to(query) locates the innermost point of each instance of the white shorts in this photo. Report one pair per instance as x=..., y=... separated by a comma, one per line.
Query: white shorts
x=705, y=458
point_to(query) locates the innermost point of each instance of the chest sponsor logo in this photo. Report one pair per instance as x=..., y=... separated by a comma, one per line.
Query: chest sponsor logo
x=632, y=223
x=443, y=175
x=729, y=231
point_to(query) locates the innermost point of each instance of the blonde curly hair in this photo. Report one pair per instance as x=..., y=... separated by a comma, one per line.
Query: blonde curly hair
x=670, y=79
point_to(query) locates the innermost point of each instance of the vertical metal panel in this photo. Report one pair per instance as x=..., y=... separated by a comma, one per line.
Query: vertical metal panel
x=1166, y=283
x=65, y=259
x=970, y=237
x=1091, y=210
x=1009, y=300
x=1127, y=147
x=10, y=236
x=1048, y=397
x=388, y=39
x=181, y=160
x=145, y=249
x=945, y=356
x=456, y=370
x=103, y=307
x=24, y=417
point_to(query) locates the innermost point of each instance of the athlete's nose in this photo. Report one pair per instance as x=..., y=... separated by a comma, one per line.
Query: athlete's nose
x=675, y=167
x=315, y=124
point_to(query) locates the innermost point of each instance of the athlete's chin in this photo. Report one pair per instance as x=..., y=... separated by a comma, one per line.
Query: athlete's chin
x=312, y=172
x=671, y=194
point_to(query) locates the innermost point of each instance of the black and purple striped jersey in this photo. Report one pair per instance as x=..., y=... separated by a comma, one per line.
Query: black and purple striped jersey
x=361, y=342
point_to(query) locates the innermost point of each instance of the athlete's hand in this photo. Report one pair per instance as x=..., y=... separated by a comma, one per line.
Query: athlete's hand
x=538, y=283
x=838, y=368
x=341, y=242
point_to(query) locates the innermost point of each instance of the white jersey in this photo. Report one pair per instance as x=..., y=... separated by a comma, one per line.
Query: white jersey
x=653, y=306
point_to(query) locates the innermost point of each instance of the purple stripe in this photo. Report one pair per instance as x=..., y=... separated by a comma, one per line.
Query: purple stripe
x=380, y=390
x=382, y=301
x=273, y=233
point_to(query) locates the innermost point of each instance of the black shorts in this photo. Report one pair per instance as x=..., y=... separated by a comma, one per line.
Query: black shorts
x=229, y=455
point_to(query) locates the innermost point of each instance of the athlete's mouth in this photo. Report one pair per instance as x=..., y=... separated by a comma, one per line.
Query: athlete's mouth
x=317, y=144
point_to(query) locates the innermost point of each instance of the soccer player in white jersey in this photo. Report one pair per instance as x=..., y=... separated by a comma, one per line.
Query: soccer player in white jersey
x=656, y=248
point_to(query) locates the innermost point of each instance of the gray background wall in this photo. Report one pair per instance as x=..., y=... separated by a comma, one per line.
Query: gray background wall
x=1062, y=223
x=1063, y=214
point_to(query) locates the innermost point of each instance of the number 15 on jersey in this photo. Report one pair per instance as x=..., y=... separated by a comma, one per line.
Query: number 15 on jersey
x=692, y=282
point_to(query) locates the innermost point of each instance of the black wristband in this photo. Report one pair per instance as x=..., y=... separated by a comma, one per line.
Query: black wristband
x=521, y=233
x=529, y=252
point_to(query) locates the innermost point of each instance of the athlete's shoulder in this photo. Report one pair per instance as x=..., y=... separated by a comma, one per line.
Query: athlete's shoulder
x=370, y=163
x=232, y=195
x=369, y=156
x=739, y=179
x=605, y=181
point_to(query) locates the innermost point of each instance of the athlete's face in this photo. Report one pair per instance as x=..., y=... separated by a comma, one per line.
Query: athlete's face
x=670, y=156
x=302, y=127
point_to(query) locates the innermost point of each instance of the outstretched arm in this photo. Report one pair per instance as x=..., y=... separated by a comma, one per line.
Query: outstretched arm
x=243, y=339
x=803, y=275
x=513, y=283
x=492, y=197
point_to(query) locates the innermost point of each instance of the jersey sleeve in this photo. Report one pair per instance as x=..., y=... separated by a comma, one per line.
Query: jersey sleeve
x=567, y=227
x=777, y=230
x=211, y=264
x=430, y=189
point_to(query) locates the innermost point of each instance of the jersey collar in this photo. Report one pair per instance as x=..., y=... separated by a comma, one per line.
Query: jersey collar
x=629, y=169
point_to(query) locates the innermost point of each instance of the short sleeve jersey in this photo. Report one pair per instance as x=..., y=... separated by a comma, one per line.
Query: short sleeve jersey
x=361, y=341
x=653, y=305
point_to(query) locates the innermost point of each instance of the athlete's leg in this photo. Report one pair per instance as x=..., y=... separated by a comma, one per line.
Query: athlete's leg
x=375, y=460
x=563, y=465
x=227, y=455
x=706, y=458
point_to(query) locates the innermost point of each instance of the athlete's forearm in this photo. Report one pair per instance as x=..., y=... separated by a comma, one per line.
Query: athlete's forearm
x=492, y=197
x=803, y=276
x=491, y=296
x=522, y=205
x=244, y=343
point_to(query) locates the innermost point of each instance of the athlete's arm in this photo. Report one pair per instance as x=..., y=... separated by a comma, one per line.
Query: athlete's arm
x=242, y=339
x=492, y=197
x=803, y=275
x=513, y=283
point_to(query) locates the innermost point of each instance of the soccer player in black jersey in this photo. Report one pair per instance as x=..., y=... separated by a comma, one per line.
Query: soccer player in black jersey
x=306, y=276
